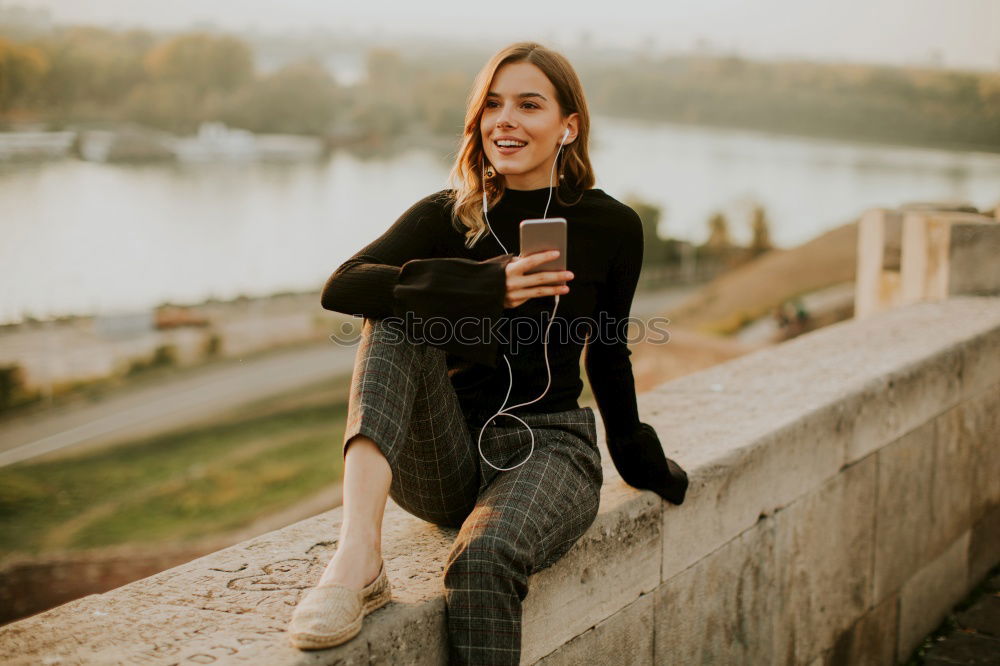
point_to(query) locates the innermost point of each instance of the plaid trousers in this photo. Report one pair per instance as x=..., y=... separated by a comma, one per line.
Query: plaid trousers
x=511, y=523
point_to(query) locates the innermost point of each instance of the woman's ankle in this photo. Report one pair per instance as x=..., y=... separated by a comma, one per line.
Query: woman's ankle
x=361, y=538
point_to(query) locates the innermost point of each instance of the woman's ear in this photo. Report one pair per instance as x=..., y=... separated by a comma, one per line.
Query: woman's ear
x=573, y=125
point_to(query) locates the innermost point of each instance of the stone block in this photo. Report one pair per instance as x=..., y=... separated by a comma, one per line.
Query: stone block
x=823, y=556
x=984, y=545
x=749, y=481
x=930, y=594
x=952, y=480
x=903, y=399
x=924, y=499
x=871, y=641
x=974, y=249
x=724, y=608
x=624, y=638
x=878, y=254
x=981, y=363
x=980, y=431
x=904, y=480
x=949, y=254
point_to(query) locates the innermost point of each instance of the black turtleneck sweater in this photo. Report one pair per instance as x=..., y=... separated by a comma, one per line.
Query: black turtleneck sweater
x=420, y=267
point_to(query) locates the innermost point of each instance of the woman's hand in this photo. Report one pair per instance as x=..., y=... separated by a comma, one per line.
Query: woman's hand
x=521, y=287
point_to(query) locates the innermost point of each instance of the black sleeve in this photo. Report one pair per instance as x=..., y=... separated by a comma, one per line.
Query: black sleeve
x=634, y=446
x=396, y=275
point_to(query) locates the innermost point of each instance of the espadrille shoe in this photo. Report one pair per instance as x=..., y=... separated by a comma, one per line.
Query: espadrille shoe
x=329, y=615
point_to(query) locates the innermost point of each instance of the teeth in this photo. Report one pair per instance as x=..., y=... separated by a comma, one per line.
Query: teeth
x=508, y=143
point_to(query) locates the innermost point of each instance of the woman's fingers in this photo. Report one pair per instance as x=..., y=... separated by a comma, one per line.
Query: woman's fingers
x=534, y=292
x=521, y=264
x=521, y=287
x=535, y=279
x=516, y=270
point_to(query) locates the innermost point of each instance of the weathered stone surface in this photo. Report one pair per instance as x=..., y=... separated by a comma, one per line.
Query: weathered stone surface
x=981, y=363
x=924, y=499
x=930, y=593
x=984, y=544
x=823, y=554
x=763, y=470
x=257, y=584
x=847, y=399
x=948, y=253
x=105, y=628
x=980, y=430
x=624, y=638
x=973, y=250
x=905, y=398
x=724, y=608
x=871, y=641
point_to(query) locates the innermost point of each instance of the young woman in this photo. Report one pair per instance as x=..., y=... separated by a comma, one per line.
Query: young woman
x=477, y=427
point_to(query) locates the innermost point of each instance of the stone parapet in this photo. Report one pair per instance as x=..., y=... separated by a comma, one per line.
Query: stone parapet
x=845, y=491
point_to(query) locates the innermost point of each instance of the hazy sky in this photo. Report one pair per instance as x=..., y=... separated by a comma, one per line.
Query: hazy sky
x=959, y=33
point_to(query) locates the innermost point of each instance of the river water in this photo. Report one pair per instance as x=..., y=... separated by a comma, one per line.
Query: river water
x=85, y=238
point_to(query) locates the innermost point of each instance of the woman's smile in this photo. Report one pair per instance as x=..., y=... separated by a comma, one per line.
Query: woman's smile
x=508, y=146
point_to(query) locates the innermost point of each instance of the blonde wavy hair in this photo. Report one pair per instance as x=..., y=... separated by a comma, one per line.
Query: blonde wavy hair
x=467, y=175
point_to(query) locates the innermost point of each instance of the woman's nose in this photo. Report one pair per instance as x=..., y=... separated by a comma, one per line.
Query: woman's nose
x=504, y=118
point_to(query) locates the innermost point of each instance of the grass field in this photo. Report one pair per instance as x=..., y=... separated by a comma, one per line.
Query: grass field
x=250, y=462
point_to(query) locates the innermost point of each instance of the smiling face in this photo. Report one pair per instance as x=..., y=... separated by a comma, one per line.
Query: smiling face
x=521, y=107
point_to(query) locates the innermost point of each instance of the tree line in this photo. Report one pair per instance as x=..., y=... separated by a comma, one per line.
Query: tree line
x=88, y=74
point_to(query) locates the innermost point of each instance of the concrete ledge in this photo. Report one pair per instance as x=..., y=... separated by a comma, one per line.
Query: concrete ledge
x=833, y=479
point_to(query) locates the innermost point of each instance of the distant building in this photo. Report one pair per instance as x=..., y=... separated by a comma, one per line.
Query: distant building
x=117, y=326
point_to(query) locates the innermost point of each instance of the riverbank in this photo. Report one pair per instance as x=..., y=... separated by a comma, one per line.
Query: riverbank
x=65, y=361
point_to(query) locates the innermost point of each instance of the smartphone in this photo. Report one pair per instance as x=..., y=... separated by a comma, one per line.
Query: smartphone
x=541, y=235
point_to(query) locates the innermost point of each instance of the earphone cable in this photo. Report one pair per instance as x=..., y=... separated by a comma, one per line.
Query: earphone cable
x=545, y=346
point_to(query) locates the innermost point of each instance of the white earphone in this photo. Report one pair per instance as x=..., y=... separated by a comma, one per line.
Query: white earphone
x=510, y=371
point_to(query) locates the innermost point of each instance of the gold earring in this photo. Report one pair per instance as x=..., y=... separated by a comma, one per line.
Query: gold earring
x=489, y=171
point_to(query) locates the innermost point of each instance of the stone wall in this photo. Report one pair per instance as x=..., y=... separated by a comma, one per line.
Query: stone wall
x=845, y=492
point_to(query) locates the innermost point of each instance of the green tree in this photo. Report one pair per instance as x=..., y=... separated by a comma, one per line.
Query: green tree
x=760, y=228
x=300, y=98
x=168, y=105
x=91, y=68
x=21, y=71
x=718, y=234
x=202, y=62
x=654, y=248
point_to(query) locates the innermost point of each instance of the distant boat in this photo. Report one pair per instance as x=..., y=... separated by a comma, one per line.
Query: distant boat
x=35, y=144
x=215, y=141
x=126, y=144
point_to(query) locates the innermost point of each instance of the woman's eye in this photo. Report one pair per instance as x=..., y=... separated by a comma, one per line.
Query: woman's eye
x=493, y=105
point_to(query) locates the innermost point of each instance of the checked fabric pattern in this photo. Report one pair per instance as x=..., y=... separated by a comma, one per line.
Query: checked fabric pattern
x=510, y=523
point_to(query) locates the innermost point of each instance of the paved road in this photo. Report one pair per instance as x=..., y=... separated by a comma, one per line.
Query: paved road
x=181, y=401
x=201, y=393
